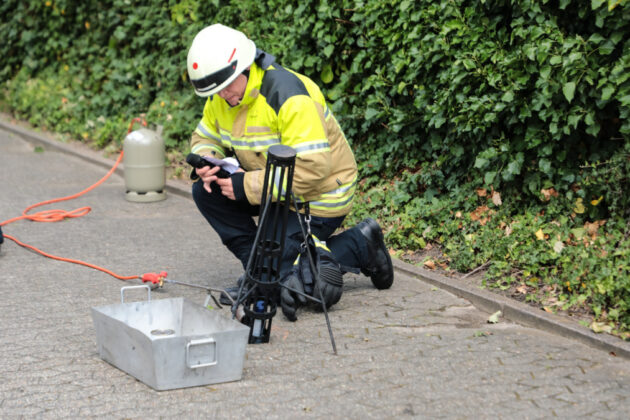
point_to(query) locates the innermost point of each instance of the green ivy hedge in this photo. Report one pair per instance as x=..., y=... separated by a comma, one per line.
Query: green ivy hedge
x=440, y=97
x=511, y=93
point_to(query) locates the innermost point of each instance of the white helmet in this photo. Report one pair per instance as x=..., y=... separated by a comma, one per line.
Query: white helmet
x=217, y=56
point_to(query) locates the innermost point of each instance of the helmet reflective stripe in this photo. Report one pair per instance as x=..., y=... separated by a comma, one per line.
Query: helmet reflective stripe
x=215, y=79
x=216, y=57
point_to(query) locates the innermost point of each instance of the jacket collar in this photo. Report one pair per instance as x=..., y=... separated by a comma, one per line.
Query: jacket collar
x=254, y=83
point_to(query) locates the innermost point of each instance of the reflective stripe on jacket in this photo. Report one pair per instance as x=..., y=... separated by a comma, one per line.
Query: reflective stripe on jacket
x=282, y=107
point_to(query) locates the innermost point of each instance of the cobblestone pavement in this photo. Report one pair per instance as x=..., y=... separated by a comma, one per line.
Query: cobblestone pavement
x=411, y=351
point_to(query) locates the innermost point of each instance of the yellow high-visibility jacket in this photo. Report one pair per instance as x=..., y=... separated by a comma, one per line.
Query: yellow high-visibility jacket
x=282, y=107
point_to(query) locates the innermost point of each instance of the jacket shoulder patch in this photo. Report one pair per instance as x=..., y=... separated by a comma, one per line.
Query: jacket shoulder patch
x=278, y=85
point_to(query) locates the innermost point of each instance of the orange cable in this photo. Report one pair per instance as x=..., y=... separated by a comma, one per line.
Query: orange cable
x=54, y=257
x=59, y=215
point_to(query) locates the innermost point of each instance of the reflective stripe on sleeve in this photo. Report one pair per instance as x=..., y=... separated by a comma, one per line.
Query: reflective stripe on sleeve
x=311, y=147
x=205, y=133
x=336, y=199
x=213, y=147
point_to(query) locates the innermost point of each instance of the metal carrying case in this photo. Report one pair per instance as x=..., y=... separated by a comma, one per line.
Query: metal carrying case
x=170, y=343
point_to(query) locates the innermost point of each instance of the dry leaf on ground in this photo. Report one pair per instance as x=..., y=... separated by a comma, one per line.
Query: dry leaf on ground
x=496, y=198
x=430, y=264
x=494, y=318
x=548, y=193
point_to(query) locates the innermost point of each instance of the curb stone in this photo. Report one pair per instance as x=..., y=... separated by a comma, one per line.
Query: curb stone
x=512, y=310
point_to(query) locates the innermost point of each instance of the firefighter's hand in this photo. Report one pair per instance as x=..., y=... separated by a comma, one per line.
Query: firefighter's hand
x=329, y=286
x=289, y=299
x=208, y=176
x=227, y=189
x=227, y=186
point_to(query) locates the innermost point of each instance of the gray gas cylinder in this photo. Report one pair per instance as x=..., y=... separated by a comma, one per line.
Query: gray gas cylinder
x=143, y=158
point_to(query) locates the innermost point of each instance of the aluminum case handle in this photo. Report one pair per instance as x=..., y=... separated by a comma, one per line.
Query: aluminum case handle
x=143, y=286
x=201, y=342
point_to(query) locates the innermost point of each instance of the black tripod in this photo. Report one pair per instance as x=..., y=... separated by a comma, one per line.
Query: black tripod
x=259, y=293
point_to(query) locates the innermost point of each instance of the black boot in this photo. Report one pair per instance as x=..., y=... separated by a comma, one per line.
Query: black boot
x=232, y=291
x=379, y=269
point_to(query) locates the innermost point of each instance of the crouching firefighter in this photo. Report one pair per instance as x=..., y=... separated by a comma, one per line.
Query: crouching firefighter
x=252, y=104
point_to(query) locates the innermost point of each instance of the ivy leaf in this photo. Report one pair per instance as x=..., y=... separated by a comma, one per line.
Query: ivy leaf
x=579, y=206
x=401, y=87
x=514, y=167
x=544, y=165
x=597, y=4
x=607, y=92
x=327, y=74
x=612, y=4
x=481, y=163
x=530, y=52
x=119, y=33
x=569, y=90
x=578, y=233
x=508, y=96
x=596, y=38
x=573, y=120
x=451, y=25
x=607, y=48
x=468, y=64
x=370, y=113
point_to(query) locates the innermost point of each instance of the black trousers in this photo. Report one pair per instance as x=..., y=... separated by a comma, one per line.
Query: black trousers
x=233, y=221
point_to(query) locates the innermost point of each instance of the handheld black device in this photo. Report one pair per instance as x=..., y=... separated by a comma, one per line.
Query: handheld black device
x=199, y=162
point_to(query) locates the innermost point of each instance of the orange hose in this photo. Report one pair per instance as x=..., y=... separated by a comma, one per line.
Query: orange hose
x=54, y=257
x=59, y=215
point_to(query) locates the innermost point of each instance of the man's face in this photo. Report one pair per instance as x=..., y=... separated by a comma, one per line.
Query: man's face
x=233, y=93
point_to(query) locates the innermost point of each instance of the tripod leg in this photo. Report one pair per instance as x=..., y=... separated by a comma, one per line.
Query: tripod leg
x=330, y=333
